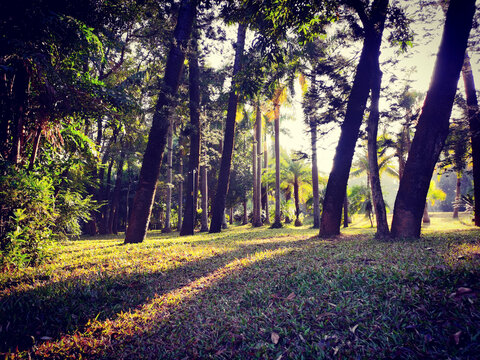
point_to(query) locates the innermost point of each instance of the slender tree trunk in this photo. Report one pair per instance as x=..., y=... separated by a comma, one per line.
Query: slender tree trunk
x=337, y=181
x=180, y=193
x=374, y=175
x=218, y=206
x=265, y=188
x=106, y=197
x=257, y=163
x=231, y=216
x=152, y=159
x=474, y=124
x=425, y=216
x=297, y=202
x=168, y=211
x=245, y=213
x=204, y=190
x=277, y=222
x=21, y=87
x=113, y=217
x=458, y=194
x=316, y=196
x=345, y=211
x=255, y=211
x=433, y=124
x=36, y=145
x=189, y=219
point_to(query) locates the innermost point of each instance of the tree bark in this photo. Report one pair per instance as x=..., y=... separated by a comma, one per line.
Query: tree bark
x=168, y=211
x=255, y=211
x=374, y=173
x=337, y=181
x=245, y=213
x=433, y=124
x=474, y=125
x=265, y=188
x=458, y=194
x=190, y=216
x=204, y=191
x=218, y=207
x=297, y=202
x=316, y=195
x=152, y=159
x=257, y=215
x=180, y=193
x=345, y=211
x=277, y=221
x=113, y=217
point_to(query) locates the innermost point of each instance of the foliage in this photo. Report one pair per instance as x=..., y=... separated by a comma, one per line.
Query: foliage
x=250, y=293
x=28, y=215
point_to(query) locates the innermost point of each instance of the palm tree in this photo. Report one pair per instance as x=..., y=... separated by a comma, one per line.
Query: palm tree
x=297, y=176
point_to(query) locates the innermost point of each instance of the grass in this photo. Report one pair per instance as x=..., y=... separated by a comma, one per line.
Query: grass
x=251, y=293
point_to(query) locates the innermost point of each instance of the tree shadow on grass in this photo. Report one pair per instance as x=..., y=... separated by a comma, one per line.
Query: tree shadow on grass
x=55, y=308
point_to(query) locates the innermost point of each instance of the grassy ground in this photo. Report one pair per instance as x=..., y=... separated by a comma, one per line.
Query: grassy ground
x=251, y=293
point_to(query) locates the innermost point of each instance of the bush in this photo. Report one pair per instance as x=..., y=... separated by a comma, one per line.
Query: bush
x=33, y=214
x=27, y=216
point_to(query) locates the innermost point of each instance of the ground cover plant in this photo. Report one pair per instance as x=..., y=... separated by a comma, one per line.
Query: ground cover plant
x=250, y=293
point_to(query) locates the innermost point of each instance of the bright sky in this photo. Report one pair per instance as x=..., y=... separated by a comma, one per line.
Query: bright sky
x=416, y=64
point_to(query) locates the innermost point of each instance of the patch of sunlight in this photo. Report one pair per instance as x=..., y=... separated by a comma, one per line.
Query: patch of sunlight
x=463, y=252
x=99, y=334
x=444, y=221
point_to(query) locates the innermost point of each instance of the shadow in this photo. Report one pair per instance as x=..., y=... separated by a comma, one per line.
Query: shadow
x=52, y=309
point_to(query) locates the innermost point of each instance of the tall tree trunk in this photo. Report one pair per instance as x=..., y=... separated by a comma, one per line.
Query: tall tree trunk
x=337, y=181
x=433, y=124
x=345, y=211
x=168, y=211
x=152, y=159
x=218, y=206
x=374, y=174
x=458, y=194
x=21, y=87
x=106, y=197
x=113, y=217
x=297, y=203
x=265, y=188
x=277, y=221
x=190, y=216
x=204, y=191
x=255, y=211
x=474, y=124
x=257, y=160
x=36, y=145
x=180, y=193
x=245, y=213
x=316, y=195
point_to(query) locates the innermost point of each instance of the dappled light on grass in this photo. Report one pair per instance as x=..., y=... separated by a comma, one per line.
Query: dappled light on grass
x=251, y=293
x=99, y=334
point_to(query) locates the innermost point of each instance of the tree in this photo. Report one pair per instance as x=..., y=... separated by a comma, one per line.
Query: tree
x=218, y=206
x=194, y=129
x=372, y=131
x=152, y=159
x=373, y=24
x=296, y=174
x=432, y=128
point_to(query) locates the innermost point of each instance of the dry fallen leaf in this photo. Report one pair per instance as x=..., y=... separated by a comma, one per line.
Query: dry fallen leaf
x=275, y=338
x=352, y=329
x=291, y=296
x=456, y=337
x=463, y=290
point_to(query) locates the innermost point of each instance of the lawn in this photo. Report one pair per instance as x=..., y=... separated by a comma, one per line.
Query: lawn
x=251, y=293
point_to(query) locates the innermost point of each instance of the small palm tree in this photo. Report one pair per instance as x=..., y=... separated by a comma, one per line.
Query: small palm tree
x=296, y=176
